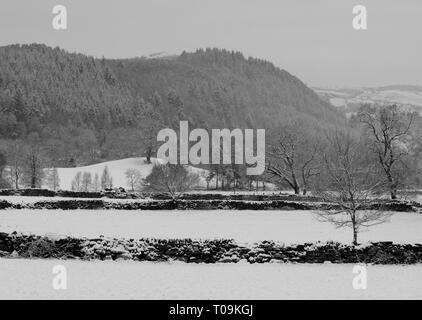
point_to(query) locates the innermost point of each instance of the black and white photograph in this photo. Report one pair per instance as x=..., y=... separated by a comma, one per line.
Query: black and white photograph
x=210, y=150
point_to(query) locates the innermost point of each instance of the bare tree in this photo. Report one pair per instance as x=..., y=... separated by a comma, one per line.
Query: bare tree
x=292, y=158
x=86, y=182
x=96, y=183
x=52, y=179
x=388, y=128
x=3, y=163
x=173, y=179
x=150, y=127
x=106, y=179
x=77, y=182
x=15, y=156
x=33, y=173
x=350, y=185
x=133, y=178
x=208, y=175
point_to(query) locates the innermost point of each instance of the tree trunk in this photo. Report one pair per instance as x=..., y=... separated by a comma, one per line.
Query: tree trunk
x=393, y=186
x=296, y=189
x=393, y=194
x=355, y=235
x=393, y=191
x=33, y=173
x=16, y=179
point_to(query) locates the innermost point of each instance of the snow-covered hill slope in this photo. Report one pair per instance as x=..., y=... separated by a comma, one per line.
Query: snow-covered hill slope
x=116, y=168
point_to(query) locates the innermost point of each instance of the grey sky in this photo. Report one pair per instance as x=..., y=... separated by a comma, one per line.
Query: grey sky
x=312, y=39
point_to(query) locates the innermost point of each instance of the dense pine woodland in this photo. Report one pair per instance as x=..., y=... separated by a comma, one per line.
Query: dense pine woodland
x=87, y=109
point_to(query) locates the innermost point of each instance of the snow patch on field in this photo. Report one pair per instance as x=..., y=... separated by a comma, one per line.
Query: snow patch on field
x=32, y=279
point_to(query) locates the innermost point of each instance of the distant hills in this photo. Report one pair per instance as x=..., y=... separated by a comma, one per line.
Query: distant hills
x=88, y=104
x=408, y=96
x=216, y=87
x=223, y=88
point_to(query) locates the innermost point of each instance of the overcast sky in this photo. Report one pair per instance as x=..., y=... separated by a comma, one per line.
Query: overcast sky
x=311, y=39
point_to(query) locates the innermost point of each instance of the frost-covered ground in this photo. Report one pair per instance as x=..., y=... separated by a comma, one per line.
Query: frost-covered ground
x=32, y=279
x=243, y=226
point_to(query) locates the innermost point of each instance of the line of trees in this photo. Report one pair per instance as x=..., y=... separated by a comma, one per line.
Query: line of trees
x=23, y=163
x=296, y=152
x=86, y=182
x=377, y=154
x=391, y=144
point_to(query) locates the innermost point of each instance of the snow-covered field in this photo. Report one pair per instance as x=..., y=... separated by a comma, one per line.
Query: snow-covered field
x=32, y=279
x=243, y=226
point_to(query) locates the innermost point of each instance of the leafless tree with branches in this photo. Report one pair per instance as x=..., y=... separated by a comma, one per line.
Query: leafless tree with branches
x=388, y=128
x=350, y=184
x=133, y=178
x=292, y=158
x=173, y=179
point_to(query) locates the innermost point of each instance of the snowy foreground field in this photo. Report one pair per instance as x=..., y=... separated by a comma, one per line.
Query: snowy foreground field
x=32, y=279
x=243, y=226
